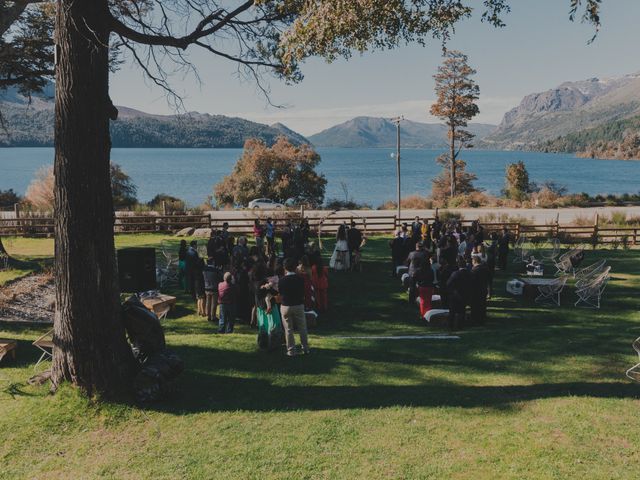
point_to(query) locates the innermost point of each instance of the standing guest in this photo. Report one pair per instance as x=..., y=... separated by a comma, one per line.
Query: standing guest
x=462, y=246
x=424, y=282
x=450, y=251
x=479, y=236
x=503, y=248
x=425, y=234
x=436, y=227
x=270, y=233
x=244, y=297
x=212, y=243
x=291, y=288
x=491, y=261
x=227, y=301
x=444, y=273
x=212, y=277
x=320, y=282
x=182, y=265
x=258, y=235
x=304, y=270
x=414, y=262
x=416, y=229
x=458, y=287
x=198, y=283
x=287, y=241
x=240, y=252
x=478, y=292
x=340, y=258
x=354, y=240
x=397, y=251
x=192, y=263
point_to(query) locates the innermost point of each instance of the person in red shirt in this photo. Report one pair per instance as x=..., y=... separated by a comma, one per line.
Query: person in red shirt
x=227, y=301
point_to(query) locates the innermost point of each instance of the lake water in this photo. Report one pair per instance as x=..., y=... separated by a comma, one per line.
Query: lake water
x=369, y=173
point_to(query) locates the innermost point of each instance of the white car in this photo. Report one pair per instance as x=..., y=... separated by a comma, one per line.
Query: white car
x=264, y=204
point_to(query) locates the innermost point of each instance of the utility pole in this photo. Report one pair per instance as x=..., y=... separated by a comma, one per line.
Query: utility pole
x=397, y=121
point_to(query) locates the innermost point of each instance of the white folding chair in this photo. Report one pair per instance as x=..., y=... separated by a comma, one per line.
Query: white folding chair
x=45, y=345
x=551, y=292
x=591, y=293
x=551, y=250
x=564, y=265
x=586, y=274
x=634, y=372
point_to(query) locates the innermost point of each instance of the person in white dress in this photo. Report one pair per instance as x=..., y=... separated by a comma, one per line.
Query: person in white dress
x=340, y=258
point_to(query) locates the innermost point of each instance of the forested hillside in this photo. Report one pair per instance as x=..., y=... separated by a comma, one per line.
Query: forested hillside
x=619, y=139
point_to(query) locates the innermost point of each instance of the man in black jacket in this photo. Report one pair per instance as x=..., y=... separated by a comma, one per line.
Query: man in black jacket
x=291, y=289
x=354, y=240
x=479, y=290
x=458, y=287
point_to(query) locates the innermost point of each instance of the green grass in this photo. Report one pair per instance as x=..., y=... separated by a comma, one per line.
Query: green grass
x=539, y=392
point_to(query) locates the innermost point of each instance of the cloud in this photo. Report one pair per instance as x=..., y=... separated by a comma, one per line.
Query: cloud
x=312, y=120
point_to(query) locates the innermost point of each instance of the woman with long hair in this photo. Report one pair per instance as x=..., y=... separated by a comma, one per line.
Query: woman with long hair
x=320, y=282
x=340, y=258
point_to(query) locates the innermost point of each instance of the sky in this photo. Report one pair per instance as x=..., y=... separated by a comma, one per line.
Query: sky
x=537, y=50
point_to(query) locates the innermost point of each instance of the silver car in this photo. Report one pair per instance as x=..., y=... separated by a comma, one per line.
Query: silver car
x=264, y=204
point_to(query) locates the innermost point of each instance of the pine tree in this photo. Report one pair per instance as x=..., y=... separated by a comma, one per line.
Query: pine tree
x=457, y=94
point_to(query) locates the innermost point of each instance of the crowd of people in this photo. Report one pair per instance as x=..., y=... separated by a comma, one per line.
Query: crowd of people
x=270, y=284
x=456, y=262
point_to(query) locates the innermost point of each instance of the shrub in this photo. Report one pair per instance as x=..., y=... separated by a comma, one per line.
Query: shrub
x=8, y=198
x=336, y=204
x=174, y=204
x=412, y=202
x=40, y=191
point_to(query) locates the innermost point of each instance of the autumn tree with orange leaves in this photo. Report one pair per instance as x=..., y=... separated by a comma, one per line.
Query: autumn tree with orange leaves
x=281, y=172
x=457, y=94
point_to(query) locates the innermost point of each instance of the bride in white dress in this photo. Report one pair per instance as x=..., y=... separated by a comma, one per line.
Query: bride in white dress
x=340, y=258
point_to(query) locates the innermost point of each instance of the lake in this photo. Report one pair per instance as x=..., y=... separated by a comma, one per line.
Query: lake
x=369, y=173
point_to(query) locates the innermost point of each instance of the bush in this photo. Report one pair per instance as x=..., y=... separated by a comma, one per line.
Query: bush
x=336, y=204
x=412, y=202
x=8, y=198
x=40, y=191
x=174, y=204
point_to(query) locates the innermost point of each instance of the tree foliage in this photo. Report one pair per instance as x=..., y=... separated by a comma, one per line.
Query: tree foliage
x=457, y=94
x=26, y=55
x=282, y=172
x=441, y=185
x=122, y=188
x=517, y=183
x=40, y=191
x=8, y=198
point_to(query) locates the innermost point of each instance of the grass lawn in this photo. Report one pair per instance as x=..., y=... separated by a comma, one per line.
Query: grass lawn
x=539, y=392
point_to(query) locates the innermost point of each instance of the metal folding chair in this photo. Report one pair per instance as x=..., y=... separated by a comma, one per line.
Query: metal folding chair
x=44, y=344
x=591, y=293
x=564, y=265
x=586, y=274
x=634, y=372
x=551, y=250
x=551, y=292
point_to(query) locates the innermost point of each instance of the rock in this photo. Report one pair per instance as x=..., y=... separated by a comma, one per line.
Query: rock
x=185, y=232
x=202, y=232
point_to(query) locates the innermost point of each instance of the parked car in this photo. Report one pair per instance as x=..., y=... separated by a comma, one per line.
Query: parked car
x=264, y=204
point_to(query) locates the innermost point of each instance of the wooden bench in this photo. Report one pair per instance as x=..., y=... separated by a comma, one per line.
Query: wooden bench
x=160, y=304
x=8, y=347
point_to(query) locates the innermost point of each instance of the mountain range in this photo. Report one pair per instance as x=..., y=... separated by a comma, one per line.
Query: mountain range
x=381, y=133
x=568, y=109
x=30, y=124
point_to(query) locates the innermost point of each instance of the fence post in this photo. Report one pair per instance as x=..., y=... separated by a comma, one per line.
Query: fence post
x=595, y=231
x=635, y=236
x=164, y=207
x=16, y=209
x=395, y=223
x=518, y=230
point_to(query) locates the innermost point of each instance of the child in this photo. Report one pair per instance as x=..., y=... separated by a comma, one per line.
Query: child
x=227, y=302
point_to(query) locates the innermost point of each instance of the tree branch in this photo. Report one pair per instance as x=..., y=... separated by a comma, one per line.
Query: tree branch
x=8, y=15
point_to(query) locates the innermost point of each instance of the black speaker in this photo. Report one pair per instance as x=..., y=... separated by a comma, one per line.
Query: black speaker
x=137, y=269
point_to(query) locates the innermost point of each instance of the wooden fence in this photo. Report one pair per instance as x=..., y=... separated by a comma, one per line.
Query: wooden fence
x=325, y=223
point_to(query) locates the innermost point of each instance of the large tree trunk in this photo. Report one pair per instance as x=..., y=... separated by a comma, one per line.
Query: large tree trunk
x=90, y=350
x=452, y=156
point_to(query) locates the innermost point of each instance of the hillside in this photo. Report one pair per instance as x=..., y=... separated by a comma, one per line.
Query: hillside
x=32, y=126
x=619, y=139
x=381, y=133
x=570, y=108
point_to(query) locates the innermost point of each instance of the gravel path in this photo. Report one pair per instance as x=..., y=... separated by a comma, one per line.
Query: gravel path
x=28, y=299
